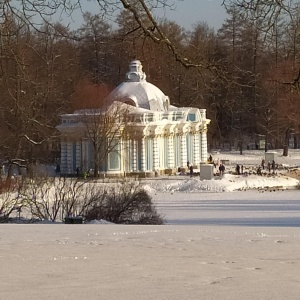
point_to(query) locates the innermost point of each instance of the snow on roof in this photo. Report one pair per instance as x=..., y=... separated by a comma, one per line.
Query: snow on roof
x=135, y=90
x=143, y=94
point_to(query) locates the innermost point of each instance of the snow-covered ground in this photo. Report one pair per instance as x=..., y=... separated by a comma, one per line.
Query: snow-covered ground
x=149, y=262
x=234, y=238
x=230, y=182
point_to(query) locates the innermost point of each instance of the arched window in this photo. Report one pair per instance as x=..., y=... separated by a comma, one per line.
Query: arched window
x=130, y=102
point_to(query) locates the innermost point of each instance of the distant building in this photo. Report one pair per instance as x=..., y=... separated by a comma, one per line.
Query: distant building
x=159, y=137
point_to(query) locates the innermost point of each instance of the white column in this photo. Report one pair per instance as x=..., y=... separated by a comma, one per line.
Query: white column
x=134, y=157
x=155, y=154
x=127, y=153
x=69, y=157
x=204, y=145
x=78, y=154
x=183, y=150
x=196, y=148
x=85, y=155
x=63, y=156
x=171, y=159
x=143, y=155
x=121, y=153
x=161, y=152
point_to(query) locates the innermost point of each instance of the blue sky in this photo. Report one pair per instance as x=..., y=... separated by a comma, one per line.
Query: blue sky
x=190, y=12
x=186, y=13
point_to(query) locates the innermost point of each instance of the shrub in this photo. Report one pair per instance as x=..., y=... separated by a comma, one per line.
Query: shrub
x=49, y=198
x=125, y=204
x=46, y=198
x=11, y=201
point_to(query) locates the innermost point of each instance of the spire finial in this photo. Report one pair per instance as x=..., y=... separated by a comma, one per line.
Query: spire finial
x=135, y=73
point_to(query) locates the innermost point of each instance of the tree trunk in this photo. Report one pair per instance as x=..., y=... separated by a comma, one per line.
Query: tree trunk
x=286, y=142
x=96, y=169
x=240, y=146
x=266, y=143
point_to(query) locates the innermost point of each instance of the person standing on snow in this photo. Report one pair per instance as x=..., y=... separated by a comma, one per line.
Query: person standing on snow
x=269, y=166
x=273, y=166
x=221, y=169
x=237, y=169
x=263, y=164
x=191, y=171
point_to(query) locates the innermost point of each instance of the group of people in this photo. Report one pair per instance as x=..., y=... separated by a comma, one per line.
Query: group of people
x=270, y=165
x=191, y=168
x=218, y=164
x=239, y=169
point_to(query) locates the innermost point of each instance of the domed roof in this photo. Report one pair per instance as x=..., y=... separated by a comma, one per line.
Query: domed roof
x=137, y=92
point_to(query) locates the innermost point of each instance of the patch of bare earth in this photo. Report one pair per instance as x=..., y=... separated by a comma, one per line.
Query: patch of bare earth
x=294, y=173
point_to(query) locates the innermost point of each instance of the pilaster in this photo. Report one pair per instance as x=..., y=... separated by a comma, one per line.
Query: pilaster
x=171, y=158
x=183, y=150
x=155, y=154
x=69, y=157
x=143, y=155
x=134, y=154
x=197, y=158
x=204, y=145
x=63, y=156
x=78, y=154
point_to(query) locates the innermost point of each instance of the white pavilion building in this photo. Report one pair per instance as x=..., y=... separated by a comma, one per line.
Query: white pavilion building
x=159, y=137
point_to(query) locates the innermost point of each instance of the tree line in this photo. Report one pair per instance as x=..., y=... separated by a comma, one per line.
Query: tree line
x=246, y=74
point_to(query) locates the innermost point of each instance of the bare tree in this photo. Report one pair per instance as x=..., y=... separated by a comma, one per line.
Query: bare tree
x=140, y=10
x=265, y=12
x=101, y=121
x=95, y=43
x=11, y=200
x=105, y=128
x=33, y=86
x=50, y=198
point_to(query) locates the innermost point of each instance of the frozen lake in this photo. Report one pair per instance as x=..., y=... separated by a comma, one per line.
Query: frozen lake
x=226, y=245
x=251, y=208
